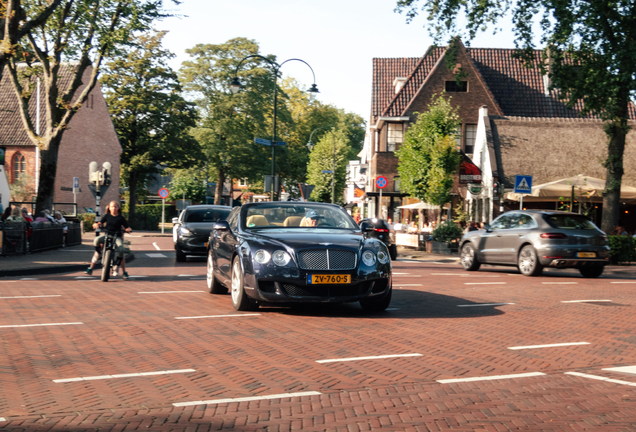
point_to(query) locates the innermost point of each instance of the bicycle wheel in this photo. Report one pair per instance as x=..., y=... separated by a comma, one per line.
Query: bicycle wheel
x=106, y=265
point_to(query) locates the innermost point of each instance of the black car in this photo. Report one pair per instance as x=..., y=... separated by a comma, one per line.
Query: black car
x=192, y=228
x=292, y=252
x=382, y=231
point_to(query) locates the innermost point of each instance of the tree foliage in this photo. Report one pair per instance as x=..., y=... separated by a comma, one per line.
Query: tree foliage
x=428, y=157
x=322, y=158
x=589, y=48
x=191, y=183
x=150, y=116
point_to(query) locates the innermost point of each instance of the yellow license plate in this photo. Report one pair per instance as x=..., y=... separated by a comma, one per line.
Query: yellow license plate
x=586, y=254
x=205, y=244
x=329, y=279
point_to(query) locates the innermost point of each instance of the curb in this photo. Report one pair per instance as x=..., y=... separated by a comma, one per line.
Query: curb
x=52, y=270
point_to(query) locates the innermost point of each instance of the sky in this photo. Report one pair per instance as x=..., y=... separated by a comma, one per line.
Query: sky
x=338, y=38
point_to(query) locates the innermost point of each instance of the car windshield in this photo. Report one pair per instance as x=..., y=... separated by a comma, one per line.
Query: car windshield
x=206, y=215
x=273, y=215
x=570, y=222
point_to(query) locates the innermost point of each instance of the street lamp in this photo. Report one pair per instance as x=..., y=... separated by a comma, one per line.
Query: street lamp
x=98, y=183
x=235, y=86
x=310, y=146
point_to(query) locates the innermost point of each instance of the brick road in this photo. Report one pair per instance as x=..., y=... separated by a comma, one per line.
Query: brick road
x=122, y=328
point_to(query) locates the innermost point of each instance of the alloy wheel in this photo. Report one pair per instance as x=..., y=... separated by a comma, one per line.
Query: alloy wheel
x=236, y=282
x=468, y=256
x=209, y=275
x=527, y=261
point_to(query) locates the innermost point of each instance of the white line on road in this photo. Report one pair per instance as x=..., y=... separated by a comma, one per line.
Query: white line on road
x=8, y=281
x=490, y=378
x=41, y=325
x=137, y=276
x=484, y=283
x=186, y=275
x=38, y=296
x=629, y=282
x=156, y=255
x=156, y=246
x=217, y=316
x=559, y=283
x=29, y=279
x=167, y=292
x=128, y=375
x=3, y=419
x=445, y=274
x=626, y=369
x=548, y=346
x=600, y=378
x=583, y=301
x=84, y=277
x=401, y=273
x=247, y=399
x=484, y=304
x=368, y=358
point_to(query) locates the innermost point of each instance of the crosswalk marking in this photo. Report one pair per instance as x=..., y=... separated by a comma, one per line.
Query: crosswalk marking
x=490, y=378
x=247, y=399
x=128, y=375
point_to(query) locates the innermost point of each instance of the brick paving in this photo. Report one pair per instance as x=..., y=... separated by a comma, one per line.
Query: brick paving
x=124, y=332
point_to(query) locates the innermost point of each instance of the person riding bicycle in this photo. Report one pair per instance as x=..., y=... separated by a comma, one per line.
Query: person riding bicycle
x=112, y=222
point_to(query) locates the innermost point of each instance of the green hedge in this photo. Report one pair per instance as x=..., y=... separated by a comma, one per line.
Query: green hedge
x=89, y=219
x=447, y=232
x=622, y=249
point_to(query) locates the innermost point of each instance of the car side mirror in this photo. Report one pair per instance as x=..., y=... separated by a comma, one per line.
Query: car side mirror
x=366, y=227
x=221, y=226
x=487, y=227
x=175, y=220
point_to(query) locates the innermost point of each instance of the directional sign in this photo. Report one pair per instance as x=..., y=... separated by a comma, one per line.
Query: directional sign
x=381, y=182
x=327, y=172
x=76, y=182
x=281, y=143
x=523, y=184
x=262, y=141
x=163, y=193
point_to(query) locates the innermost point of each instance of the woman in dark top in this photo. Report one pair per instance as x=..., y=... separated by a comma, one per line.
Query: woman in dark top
x=111, y=222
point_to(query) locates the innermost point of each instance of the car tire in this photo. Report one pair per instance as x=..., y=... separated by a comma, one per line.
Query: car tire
x=592, y=271
x=468, y=258
x=214, y=286
x=374, y=304
x=393, y=252
x=181, y=257
x=528, y=262
x=240, y=300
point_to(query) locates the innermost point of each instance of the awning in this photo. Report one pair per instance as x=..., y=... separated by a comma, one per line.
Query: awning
x=422, y=206
x=584, y=188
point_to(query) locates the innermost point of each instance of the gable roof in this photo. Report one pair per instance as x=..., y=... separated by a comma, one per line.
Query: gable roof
x=519, y=91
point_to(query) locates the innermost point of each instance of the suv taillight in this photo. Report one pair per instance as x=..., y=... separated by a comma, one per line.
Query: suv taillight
x=553, y=236
x=381, y=230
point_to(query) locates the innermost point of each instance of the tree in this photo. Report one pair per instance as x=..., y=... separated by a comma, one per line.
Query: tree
x=150, y=116
x=428, y=158
x=589, y=46
x=83, y=32
x=189, y=183
x=322, y=159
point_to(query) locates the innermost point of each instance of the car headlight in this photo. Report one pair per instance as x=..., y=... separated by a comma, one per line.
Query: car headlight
x=383, y=257
x=184, y=231
x=281, y=258
x=368, y=258
x=262, y=256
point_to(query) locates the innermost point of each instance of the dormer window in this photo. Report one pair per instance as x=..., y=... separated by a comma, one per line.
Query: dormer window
x=395, y=136
x=456, y=87
x=398, y=83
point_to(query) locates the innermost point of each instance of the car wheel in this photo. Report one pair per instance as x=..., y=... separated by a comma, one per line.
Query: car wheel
x=214, y=286
x=592, y=271
x=240, y=300
x=528, y=262
x=181, y=257
x=469, y=258
x=374, y=304
x=393, y=252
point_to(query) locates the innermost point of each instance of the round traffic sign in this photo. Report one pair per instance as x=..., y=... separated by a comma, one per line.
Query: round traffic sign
x=381, y=182
x=163, y=193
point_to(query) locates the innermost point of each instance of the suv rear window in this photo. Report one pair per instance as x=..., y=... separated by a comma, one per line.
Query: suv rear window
x=569, y=222
x=378, y=223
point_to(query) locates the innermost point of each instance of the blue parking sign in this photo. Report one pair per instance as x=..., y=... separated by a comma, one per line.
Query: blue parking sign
x=523, y=184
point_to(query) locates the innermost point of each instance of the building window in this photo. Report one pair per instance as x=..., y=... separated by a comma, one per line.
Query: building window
x=242, y=182
x=471, y=135
x=458, y=136
x=455, y=87
x=395, y=136
x=396, y=184
x=19, y=166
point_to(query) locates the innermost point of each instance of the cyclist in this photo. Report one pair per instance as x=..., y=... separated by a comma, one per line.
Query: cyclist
x=112, y=222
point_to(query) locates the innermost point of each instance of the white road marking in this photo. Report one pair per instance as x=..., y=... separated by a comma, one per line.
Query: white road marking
x=167, y=292
x=600, y=378
x=156, y=255
x=401, y=273
x=490, y=378
x=484, y=283
x=559, y=283
x=445, y=274
x=247, y=399
x=186, y=275
x=629, y=282
x=41, y=325
x=408, y=285
x=38, y=296
x=128, y=375
x=583, y=301
x=410, y=275
x=3, y=419
x=368, y=358
x=626, y=369
x=484, y=304
x=29, y=279
x=84, y=277
x=137, y=276
x=8, y=281
x=548, y=346
x=217, y=316
x=156, y=246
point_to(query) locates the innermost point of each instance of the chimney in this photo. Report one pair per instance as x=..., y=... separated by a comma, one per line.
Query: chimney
x=483, y=111
x=398, y=83
x=546, y=77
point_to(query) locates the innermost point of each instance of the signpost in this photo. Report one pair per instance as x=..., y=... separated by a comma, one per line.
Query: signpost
x=75, y=189
x=163, y=193
x=380, y=182
x=523, y=185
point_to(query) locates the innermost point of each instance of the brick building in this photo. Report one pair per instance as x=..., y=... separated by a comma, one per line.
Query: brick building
x=90, y=137
x=511, y=123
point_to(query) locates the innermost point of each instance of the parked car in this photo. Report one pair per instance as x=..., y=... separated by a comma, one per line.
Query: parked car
x=381, y=231
x=297, y=252
x=191, y=230
x=532, y=240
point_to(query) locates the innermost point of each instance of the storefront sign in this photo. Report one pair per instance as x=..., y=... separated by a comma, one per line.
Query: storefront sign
x=475, y=189
x=468, y=171
x=409, y=240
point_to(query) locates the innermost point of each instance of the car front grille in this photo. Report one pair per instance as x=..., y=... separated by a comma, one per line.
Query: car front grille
x=293, y=290
x=327, y=259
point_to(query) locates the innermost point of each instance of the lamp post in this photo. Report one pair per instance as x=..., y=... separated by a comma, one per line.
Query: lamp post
x=235, y=86
x=310, y=146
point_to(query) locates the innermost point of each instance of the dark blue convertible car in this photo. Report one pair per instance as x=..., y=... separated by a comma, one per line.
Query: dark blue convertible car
x=291, y=252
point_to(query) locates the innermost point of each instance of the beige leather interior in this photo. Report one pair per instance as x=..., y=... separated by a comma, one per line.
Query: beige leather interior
x=293, y=221
x=257, y=220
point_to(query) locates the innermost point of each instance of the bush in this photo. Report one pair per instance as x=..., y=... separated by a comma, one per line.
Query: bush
x=447, y=232
x=147, y=217
x=622, y=249
x=89, y=220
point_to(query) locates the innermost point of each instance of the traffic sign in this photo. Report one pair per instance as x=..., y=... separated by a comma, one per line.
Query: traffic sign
x=381, y=182
x=327, y=172
x=163, y=193
x=281, y=143
x=523, y=184
x=75, y=182
x=262, y=141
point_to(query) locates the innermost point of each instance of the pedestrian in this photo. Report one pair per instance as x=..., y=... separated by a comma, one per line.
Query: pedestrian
x=47, y=214
x=8, y=213
x=25, y=214
x=111, y=222
x=15, y=215
x=41, y=217
x=60, y=220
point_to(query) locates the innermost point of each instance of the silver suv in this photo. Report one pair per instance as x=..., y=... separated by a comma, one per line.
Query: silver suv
x=533, y=239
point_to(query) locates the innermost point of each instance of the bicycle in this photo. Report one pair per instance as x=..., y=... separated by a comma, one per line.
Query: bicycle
x=109, y=255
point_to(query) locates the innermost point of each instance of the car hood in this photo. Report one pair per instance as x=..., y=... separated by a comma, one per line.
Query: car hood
x=200, y=228
x=302, y=239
